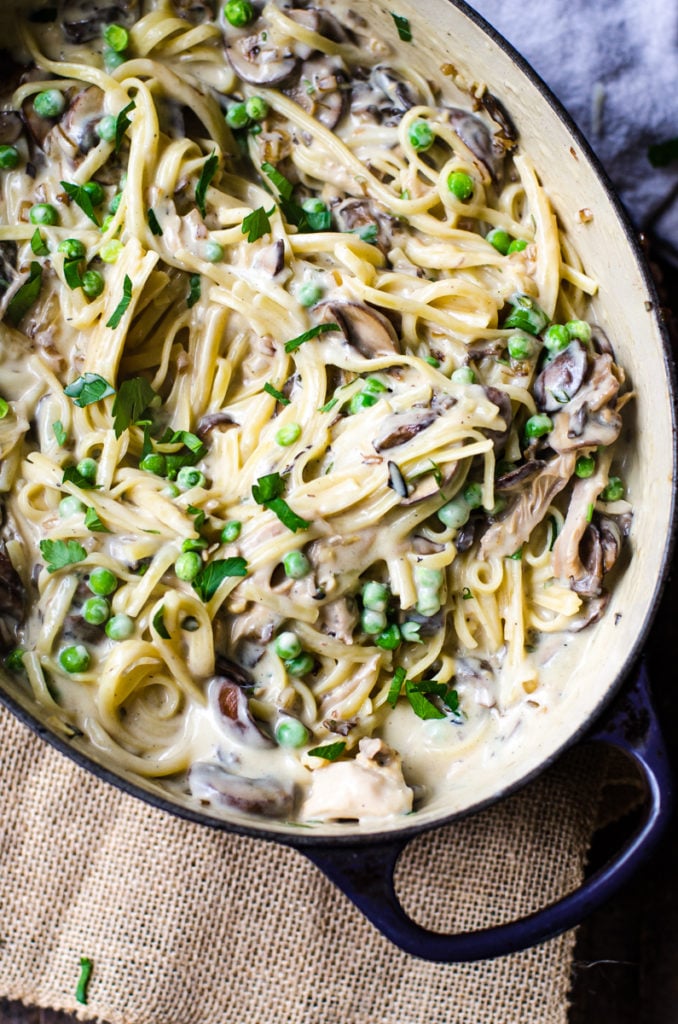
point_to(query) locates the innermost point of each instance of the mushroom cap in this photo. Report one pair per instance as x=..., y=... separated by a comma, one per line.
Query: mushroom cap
x=367, y=330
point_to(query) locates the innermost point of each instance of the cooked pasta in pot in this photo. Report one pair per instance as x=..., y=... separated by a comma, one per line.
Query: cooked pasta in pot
x=307, y=445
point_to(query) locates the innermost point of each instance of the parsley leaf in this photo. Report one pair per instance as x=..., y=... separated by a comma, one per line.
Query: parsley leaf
x=88, y=389
x=72, y=274
x=195, y=290
x=367, y=233
x=286, y=516
x=92, y=521
x=268, y=492
x=396, y=686
x=421, y=705
x=122, y=123
x=159, y=624
x=257, y=223
x=199, y=516
x=153, y=223
x=60, y=553
x=72, y=475
x=133, y=398
x=290, y=346
x=661, y=154
x=121, y=308
x=82, y=198
x=328, y=406
x=209, y=169
x=209, y=579
x=403, y=26
x=330, y=752
x=274, y=393
x=283, y=186
x=23, y=299
x=38, y=244
x=59, y=433
x=192, y=441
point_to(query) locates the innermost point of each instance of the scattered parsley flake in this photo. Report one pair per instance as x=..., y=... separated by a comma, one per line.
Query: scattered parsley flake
x=38, y=244
x=133, y=398
x=396, y=686
x=257, y=223
x=328, y=406
x=59, y=433
x=295, y=343
x=330, y=752
x=403, y=25
x=283, y=186
x=268, y=492
x=60, y=553
x=81, y=198
x=467, y=594
x=209, y=169
x=199, y=515
x=274, y=393
x=72, y=274
x=87, y=389
x=159, y=624
x=153, y=223
x=72, y=475
x=121, y=308
x=92, y=521
x=23, y=299
x=122, y=123
x=421, y=705
x=209, y=579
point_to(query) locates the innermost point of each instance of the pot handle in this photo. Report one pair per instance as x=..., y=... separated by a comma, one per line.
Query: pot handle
x=365, y=872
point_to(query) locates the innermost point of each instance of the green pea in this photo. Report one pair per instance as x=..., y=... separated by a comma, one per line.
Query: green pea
x=213, y=252
x=556, y=338
x=309, y=293
x=88, y=469
x=538, y=425
x=102, y=582
x=410, y=632
x=428, y=603
x=189, y=477
x=4, y=408
x=421, y=136
x=188, y=565
x=296, y=565
x=237, y=116
x=455, y=513
x=585, y=467
x=15, y=660
x=75, y=658
x=92, y=283
x=578, y=329
x=517, y=245
x=500, y=239
x=43, y=213
x=473, y=495
x=110, y=251
x=117, y=37
x=372, y=621
x=96, y=610
x=95, y=191
x=120, y=627
x=463, y=375
x=375, y=596
x=231, y=531
x=288, y=434
x=428, y=579
x=460, y=185
x=363, y=400
x=287, y=645
x=107, y=128
x=170, y=491
x=290, y=732
x=70, y=506
x=614, y=491
x=389, y=638
x=113, y=59
x=50, y=103
x=256, y=107
x=154, y=462
x=300, y=666
x=526, y=315
x=9, y=158
x=239, y=12
x=72, y=248
x=521, y=346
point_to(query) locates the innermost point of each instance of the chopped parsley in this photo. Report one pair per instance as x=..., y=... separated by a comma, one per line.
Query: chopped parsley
x=121, y=308
x=367, y=233
x=153, y=223
x=195, y=290
x=199, y=516
x=330, y=752
x=92, y=521
x=82, y=198
x=60, y=553
x=467, y=594
x=59, y=433
x=159, y=624
x=209, y=169
x=257, y=223
x=419, y=694
x=283, y=186
x=209, y=579
x=23, y=299
x=72, y=274
x=38, y=244
x=87, y=389
x=133, y=398
x=274, y=393
x=268, y=492
x=328, y=406
x=72, y=475
x=295, y=343
x=122, y=123
x=396, y=686
x=403, y=25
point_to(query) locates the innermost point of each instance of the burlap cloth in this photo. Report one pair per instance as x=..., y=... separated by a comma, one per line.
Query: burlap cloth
x=186, y=925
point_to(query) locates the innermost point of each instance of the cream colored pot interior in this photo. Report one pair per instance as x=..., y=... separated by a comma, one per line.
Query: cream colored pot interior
x=597, y=657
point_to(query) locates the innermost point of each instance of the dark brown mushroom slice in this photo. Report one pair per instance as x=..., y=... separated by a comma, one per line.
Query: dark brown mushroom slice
x=503, y=403
x=590, y=419
x=610, y=541
x=516, y=479
x=589, y=583
x=12, y=601
x=429, y=624
x=265, y=796
x=500, y=115
x=232, y=672
x=432, y=483
x=354, y=214
x=11, y=126
x=466, y=535
x=82, y=117
x=561, y=379
x=406, y=426
x=195, y=11
x=320, y=90
x=401, y=94
x=367, y=330
x=591, y=611
x=257, y=59
x=272, y=258
x=8, y=265
x=477, y=137
x=212, y=420
x=230, y=705
x=83, y=20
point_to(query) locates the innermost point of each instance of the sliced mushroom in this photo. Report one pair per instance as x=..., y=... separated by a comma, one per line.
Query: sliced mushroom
x=590, y=419
x=401, y=94
x=591, y=611
x=321, y=89
x=79, y=122
x=367, y=330
x=500, y=115
x=230, y=706
x=354, y=214
x=381, y=95
x=466, y=535
x=266, y=796
x=434, y=482
x=11, y=126
x=195, y=11
x=256, y=58
x=212, y=420
x=83, y=20
x=561, y=379
x=402, y=427
x=503, y=403
x=477, y=137
x=12, y=601
x=272, y=259
x=8, y=270
x=516, y=479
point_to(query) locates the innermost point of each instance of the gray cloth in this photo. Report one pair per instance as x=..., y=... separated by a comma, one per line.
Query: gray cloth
x=613, y=64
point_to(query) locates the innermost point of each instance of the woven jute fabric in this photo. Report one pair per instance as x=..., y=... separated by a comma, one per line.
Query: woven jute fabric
x=187, y=925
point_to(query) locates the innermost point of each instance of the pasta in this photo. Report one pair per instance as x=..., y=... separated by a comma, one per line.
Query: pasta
x=307, y=441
